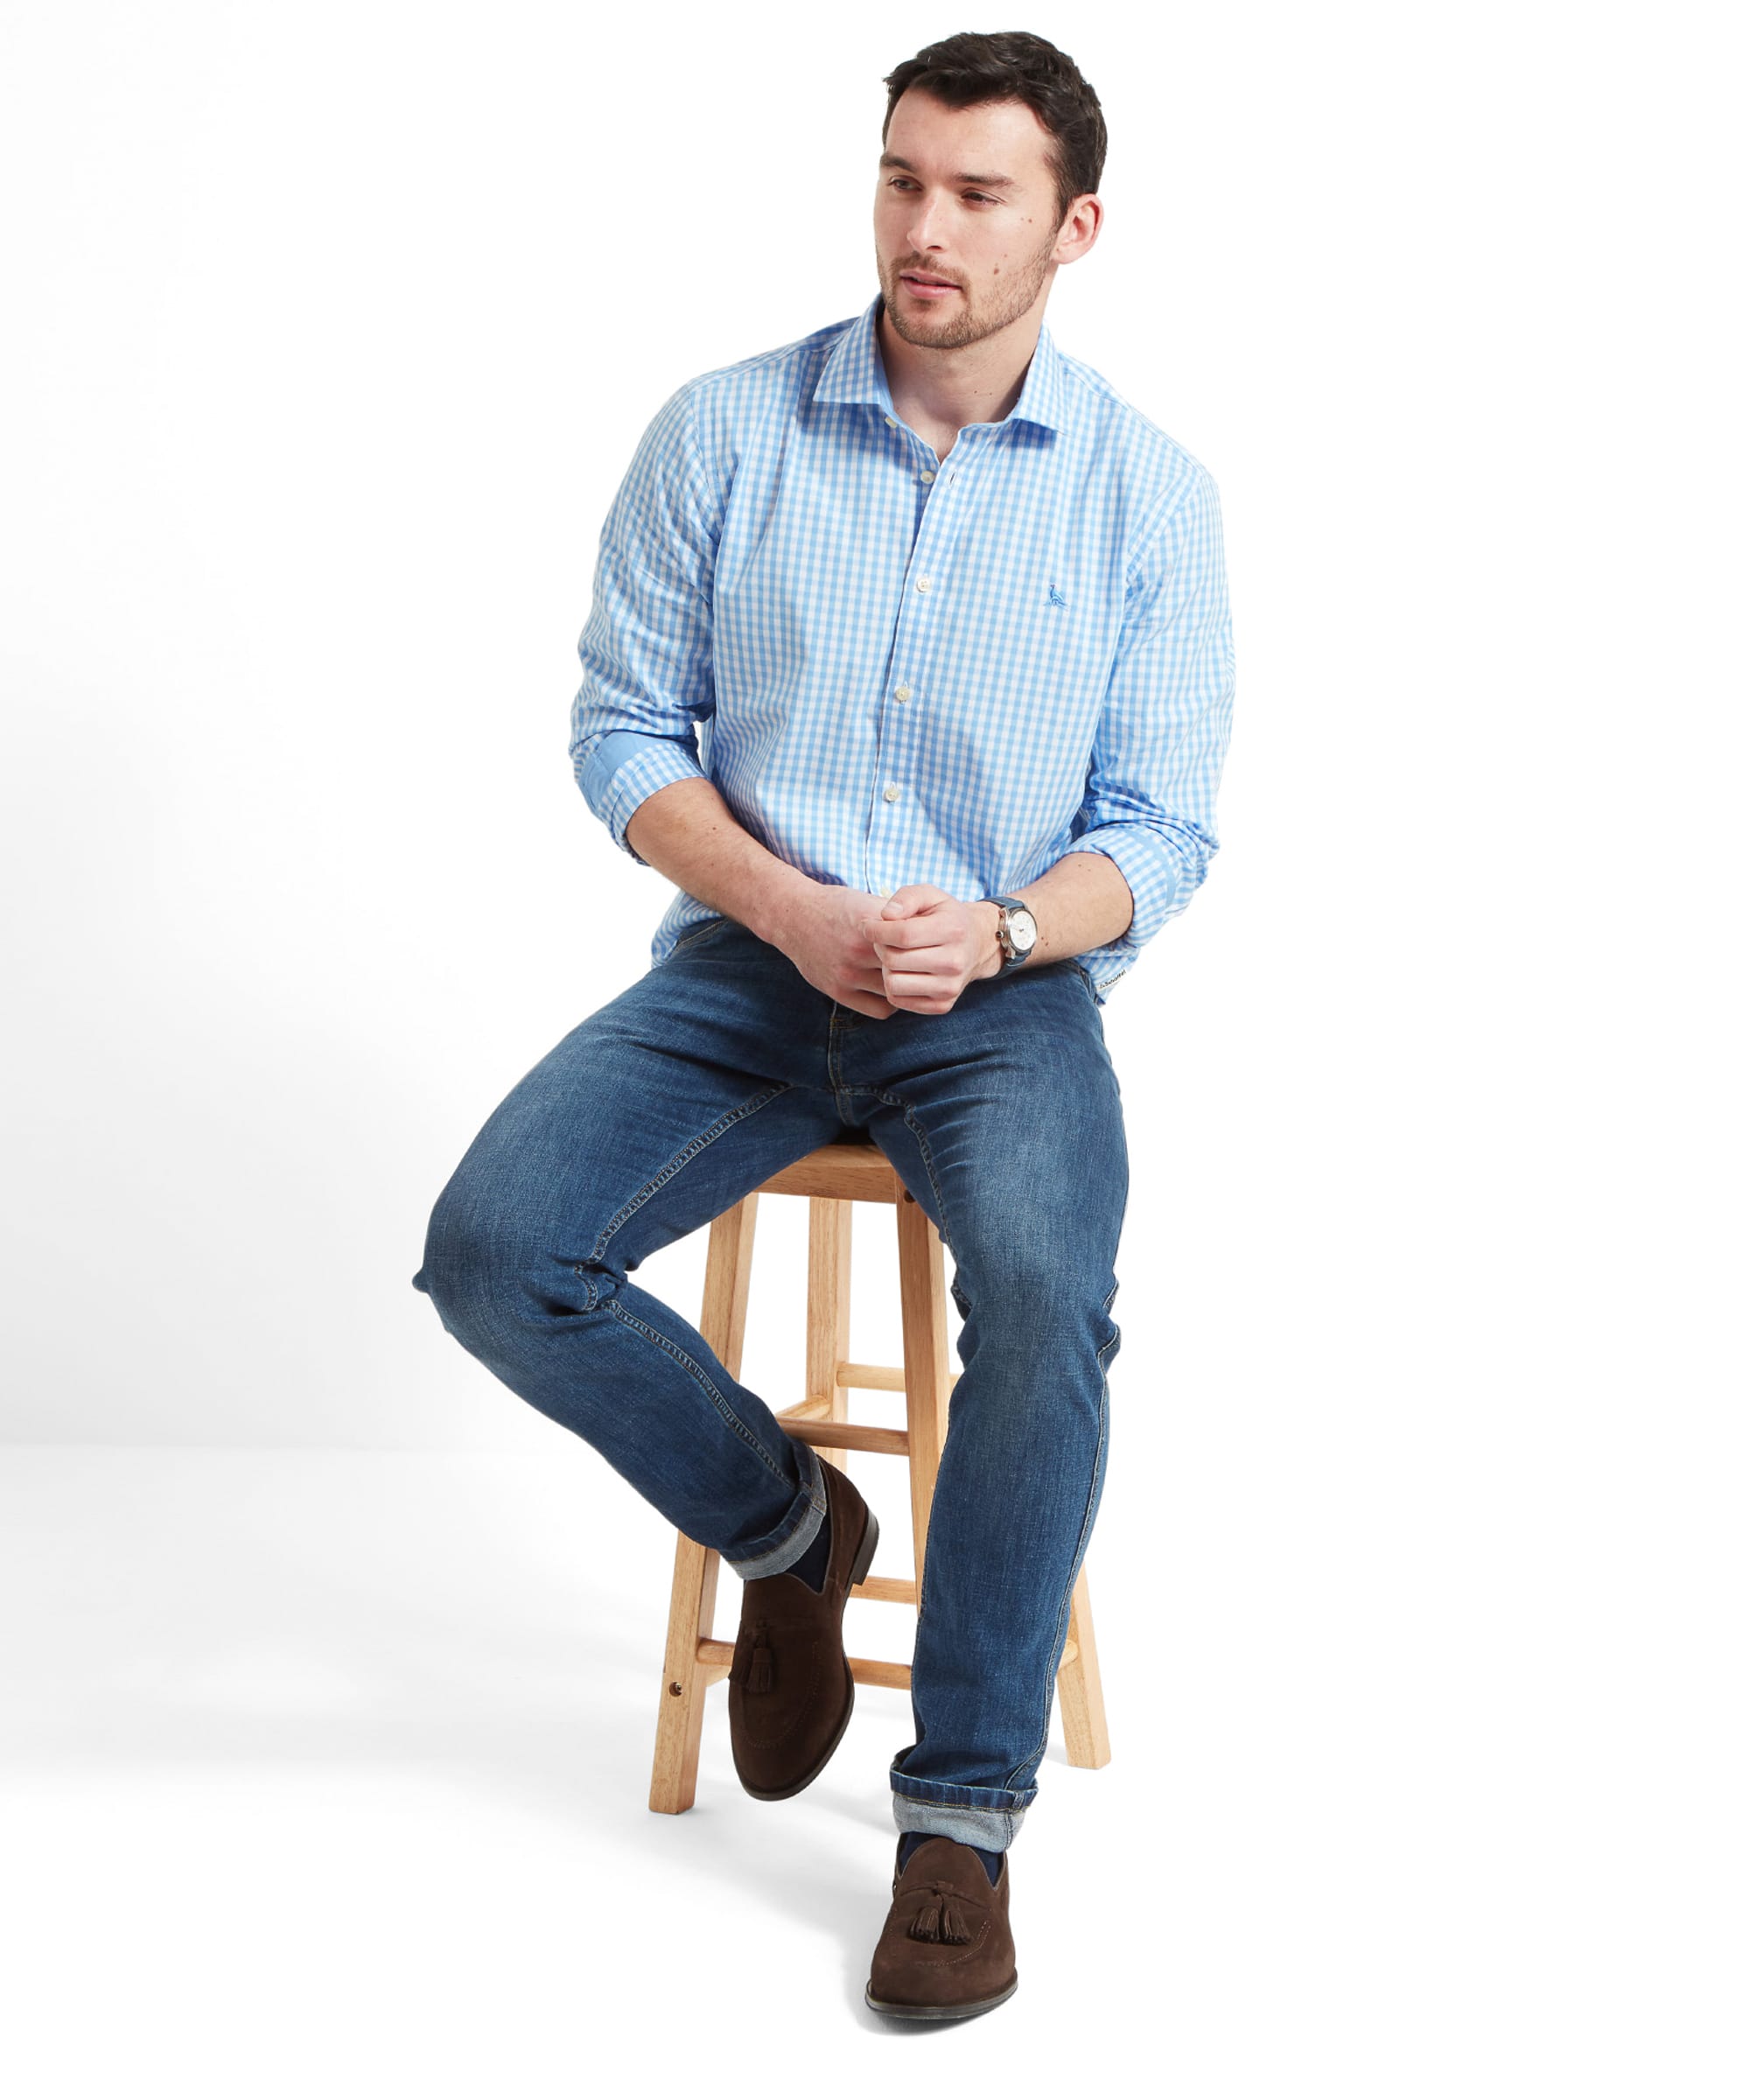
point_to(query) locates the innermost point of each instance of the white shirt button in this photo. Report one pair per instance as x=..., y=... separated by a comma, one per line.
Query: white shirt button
x=923, y=583
x=891, y=421
x=893, y=793
x=886, y=893
x=926, y=474
x=902, y=692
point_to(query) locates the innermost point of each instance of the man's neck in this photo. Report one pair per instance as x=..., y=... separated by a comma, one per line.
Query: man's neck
x=937, y=392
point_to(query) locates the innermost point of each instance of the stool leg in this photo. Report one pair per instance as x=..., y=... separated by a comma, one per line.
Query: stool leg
x=926, y=1364
x=1080, y=1687
x=828, y=1312
x=677, y=1742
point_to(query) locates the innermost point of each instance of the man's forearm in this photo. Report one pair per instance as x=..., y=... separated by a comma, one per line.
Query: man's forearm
x=1082, y=902
x=686, y=831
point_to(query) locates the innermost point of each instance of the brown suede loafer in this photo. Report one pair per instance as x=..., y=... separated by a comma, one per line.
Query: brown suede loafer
x=789, y=1694
x=946, y=1949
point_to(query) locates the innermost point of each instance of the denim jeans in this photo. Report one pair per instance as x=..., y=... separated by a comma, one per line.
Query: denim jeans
x=721, y=1066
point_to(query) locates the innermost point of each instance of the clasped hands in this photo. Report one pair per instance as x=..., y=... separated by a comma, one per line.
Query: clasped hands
x=912, y=952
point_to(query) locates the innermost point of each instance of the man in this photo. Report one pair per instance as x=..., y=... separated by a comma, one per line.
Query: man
x=909, y=662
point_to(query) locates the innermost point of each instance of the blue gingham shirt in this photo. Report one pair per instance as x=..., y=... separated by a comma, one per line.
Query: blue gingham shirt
x=900, y=669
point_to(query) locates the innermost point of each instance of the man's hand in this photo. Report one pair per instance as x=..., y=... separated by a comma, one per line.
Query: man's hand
x=822, y=933
x=930, y=944
x=912, y=952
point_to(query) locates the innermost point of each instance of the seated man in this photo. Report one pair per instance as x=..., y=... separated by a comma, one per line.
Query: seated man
x=951, y=619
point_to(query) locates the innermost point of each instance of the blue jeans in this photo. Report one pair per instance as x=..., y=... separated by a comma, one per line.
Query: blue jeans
x=720, y=1066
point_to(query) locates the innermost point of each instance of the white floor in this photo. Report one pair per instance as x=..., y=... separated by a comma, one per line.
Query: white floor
x=326, y=1774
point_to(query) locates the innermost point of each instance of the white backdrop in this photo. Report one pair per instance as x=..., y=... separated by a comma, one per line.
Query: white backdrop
x=331, y=331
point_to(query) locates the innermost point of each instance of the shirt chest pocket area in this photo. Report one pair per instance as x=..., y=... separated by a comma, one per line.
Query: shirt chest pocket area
x=1050, y=641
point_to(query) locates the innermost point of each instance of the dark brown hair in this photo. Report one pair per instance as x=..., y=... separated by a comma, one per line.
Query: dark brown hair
x=1013, y=67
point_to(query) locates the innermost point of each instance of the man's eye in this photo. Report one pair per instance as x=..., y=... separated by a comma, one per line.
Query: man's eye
x=901, y=182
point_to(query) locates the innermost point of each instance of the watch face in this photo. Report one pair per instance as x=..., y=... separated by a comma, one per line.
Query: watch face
x=1024, y=931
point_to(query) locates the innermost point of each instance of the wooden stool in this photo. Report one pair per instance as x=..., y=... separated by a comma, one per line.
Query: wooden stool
x=836, y=1177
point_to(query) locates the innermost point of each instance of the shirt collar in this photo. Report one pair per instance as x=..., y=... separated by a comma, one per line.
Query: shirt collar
x=854, y=371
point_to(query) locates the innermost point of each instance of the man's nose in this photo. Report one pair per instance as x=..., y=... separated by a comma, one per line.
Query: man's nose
x=925, y=227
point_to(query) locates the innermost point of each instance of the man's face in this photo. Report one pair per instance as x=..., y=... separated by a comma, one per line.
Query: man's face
x=943, y=215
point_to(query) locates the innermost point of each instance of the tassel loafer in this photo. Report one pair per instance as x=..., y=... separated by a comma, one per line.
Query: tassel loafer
x=789, y=1693
x=946, y=1950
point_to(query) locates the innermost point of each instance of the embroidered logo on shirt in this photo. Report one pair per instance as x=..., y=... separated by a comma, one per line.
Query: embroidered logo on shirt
x=1053, y=598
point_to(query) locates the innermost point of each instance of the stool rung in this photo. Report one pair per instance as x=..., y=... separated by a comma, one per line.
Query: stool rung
x=846, y=1436
x=716, y=1657
x=895, y=1676
x=816, y=1409
x=872, y=1377
x=878, y=1377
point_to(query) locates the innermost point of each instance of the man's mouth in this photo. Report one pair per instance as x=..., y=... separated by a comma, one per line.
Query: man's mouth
x=932, y=287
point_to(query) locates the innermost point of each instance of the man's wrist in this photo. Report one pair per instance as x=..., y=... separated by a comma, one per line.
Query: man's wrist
x=776, y=901
x=992, y=955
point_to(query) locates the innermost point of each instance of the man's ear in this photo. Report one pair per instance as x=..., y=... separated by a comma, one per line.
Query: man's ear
x=1084, y=215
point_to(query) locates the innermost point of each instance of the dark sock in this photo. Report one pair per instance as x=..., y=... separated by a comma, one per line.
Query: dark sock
x=912, y=1840
x=814, y=1563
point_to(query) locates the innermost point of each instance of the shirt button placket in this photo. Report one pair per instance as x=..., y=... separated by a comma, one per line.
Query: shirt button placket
x=923, y=585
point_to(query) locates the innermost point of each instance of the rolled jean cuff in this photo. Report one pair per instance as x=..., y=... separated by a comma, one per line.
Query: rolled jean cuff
x=988, y=1817
x=777, y=1551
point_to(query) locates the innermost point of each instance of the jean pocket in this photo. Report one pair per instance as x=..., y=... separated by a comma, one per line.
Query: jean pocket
x=694, y=936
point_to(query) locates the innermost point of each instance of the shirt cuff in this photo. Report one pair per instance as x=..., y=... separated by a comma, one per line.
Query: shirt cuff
x=1152, y=874
x=616, y=788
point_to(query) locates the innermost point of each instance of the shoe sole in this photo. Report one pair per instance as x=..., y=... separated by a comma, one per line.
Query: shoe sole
x=868, y=1547
x=980, y=2004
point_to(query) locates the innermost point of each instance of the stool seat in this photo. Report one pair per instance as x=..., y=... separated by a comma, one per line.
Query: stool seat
x=833, y=1178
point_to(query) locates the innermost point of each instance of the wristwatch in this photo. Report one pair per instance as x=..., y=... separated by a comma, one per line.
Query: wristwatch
x=1018, y=932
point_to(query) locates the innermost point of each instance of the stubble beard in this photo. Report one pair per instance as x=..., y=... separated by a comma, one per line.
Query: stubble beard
x=971, y=322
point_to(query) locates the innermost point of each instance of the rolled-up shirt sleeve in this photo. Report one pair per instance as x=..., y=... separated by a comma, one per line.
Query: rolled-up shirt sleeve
x=647, y=648
x=1150, y=799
